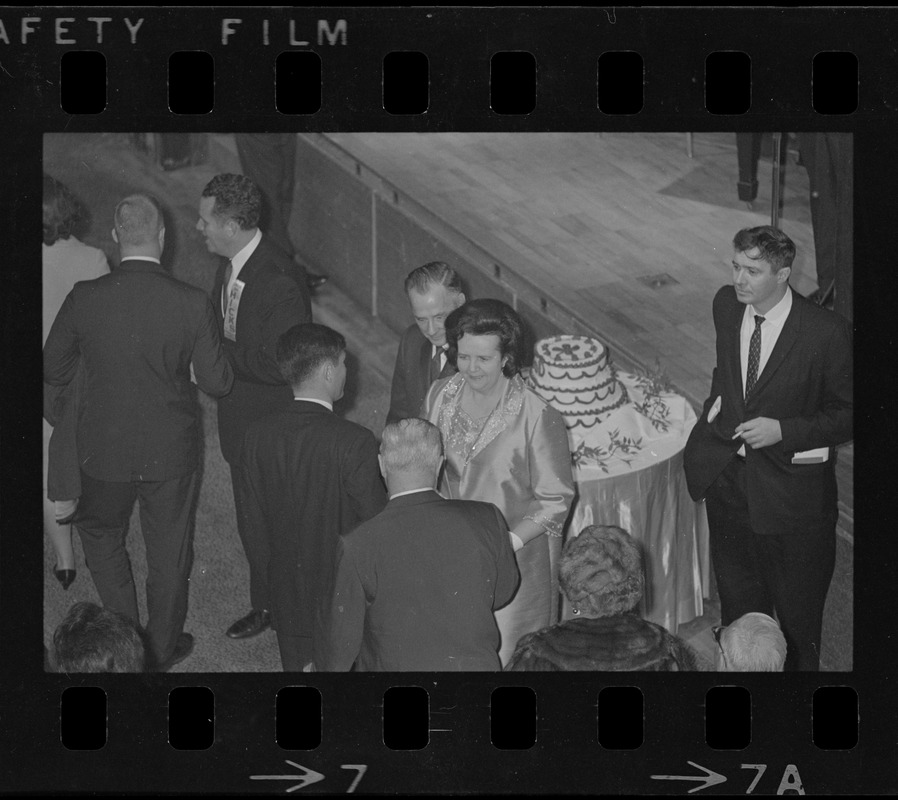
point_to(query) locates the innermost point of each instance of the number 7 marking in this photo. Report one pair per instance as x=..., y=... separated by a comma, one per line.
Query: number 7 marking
x=761, y=768
x=361, y=768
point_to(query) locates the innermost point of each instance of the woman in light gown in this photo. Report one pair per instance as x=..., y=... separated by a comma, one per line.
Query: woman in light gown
x=506, y=446
x=65, y=261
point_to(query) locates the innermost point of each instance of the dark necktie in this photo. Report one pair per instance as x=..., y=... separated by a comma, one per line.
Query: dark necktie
x=224, y=288
x=754, y=356
x=436, y=366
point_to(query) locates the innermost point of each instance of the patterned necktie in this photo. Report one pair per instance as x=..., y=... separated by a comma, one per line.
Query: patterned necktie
x=436, y=364
x=224, y=288
x=754, y=356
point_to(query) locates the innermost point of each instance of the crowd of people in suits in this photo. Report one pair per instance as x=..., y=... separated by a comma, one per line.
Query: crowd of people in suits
x=440, y=546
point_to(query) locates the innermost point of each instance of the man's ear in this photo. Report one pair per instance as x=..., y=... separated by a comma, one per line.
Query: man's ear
x=460, y=300
x=162, y=238
x=380, y=463
x=783, y=275
x=114, y=236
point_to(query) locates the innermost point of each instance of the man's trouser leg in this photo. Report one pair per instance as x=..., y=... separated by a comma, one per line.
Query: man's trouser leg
x=800, y=568
x=734, y=555
x=167, y=519
x=296, y=651
x=255, y=543
x=101, y=522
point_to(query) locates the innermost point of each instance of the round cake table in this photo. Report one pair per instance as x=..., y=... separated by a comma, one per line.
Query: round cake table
x=629, y=473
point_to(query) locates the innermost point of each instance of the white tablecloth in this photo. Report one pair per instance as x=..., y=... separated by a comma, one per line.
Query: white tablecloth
x=632, y=476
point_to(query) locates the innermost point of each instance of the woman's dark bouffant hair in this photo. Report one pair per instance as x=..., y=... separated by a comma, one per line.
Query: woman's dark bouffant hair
x=61, y=211
x=485, y=318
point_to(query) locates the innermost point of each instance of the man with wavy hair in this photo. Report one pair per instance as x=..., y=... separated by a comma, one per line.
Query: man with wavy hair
x=761, y=454
x=256, y=298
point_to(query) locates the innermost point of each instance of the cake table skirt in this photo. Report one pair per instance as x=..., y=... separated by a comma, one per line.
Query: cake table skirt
x=653, y=505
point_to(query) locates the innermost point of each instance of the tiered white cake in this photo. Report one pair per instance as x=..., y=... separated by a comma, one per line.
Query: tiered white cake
x=574, y=374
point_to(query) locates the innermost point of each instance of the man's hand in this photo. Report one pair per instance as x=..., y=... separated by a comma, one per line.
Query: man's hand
x=760, y=432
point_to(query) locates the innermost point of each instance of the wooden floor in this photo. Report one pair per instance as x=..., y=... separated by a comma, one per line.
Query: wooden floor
x=599, y=219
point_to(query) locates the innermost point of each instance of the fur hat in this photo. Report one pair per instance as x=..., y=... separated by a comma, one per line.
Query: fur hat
x=601, y=571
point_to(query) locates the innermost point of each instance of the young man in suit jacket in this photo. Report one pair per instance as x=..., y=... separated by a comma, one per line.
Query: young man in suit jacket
x=782, y=387
x=138, y=331
x=312, y=476
x=417, y=585
x=257, y=298
x=434, y=291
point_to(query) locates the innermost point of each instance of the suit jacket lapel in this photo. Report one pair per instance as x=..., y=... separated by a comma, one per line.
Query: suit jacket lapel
x=246, y=277
x=424, y=362
x=448, y=368
x=735, y=345
x=787, y=338
x=218, y=288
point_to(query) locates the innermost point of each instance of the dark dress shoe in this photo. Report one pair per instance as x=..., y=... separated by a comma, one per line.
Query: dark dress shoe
x=65, y=576
x=314, y=281
x=251, y=625
x=183, y=648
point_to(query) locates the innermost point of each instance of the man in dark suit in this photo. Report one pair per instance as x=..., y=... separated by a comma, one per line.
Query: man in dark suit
x=312, y=476
x=417, y=585
x=761, y=453
x=138, y=330
x=434, y=291
x=257, y=298
x=269, y=161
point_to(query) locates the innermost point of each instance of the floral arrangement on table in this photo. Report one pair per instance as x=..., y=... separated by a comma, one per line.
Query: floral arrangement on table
x=654, y=384
x=618, y=448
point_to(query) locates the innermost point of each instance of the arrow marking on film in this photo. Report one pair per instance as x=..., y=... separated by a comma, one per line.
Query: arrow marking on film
x=308, y=777
x=710, y=777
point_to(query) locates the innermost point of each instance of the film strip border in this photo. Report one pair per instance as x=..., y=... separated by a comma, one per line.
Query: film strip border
x=561, y=718
x=406, y=78
x=376, y=736
x=526, y=68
